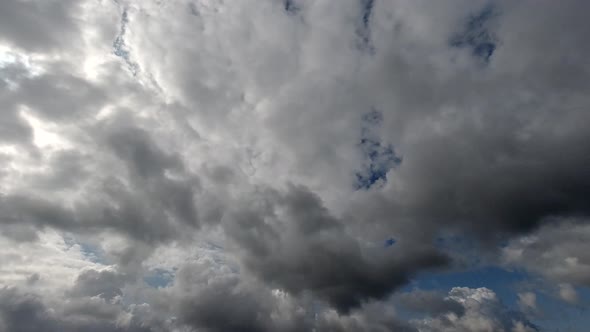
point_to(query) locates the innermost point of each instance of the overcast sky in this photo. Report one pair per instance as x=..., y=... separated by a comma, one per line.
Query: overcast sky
x=294, y=165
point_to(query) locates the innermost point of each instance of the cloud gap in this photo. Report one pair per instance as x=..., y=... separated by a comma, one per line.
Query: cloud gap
x=379, y=157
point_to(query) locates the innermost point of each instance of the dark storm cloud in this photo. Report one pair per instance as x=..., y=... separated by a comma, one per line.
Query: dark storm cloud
x=20, y=209
x=136, y=147
x=24, y=312
x=225, y=309
x=106, y=284
x=128, y=215
x=120, y=199
x=556, y=251
x=375, y=317
x=144, y=158
x=68, y=169
x=13, y=128
x=212, y=300
x=215, y=301
x=294, y=242
x=492, y=179
x=481, y=156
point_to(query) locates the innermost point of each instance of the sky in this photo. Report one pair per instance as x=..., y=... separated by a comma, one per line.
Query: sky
x=294, y=165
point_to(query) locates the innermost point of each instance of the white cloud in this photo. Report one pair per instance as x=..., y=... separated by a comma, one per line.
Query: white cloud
x=53, y=260
x=556, y=251
x=568, y=293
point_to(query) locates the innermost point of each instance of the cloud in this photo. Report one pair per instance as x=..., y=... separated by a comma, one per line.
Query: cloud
x=258, y=153
x=299, y=246
x=483, y=311
x=556, y=251
x=39, y=26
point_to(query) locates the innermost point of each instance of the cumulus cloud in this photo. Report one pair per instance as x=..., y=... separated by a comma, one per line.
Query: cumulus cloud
x=483, y=311
x=198, y=165
x=556, y=251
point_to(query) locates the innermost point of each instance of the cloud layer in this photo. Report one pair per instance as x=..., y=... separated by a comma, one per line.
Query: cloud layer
x=287, y=165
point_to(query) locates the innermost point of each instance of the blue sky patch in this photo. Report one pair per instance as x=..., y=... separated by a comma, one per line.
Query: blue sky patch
x=159, y=278
x=389, y=242
x=291, y=7
x=120, y=49
x=502, y=281
x=379, y=157
x=364, y=29
x=476, y=35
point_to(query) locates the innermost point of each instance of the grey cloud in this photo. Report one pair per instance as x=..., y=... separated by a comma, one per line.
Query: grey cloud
x=494, y=145
x=25, y=312
x=211, y=298
x=14, y=128
x=477, y=151
x=240, y=311
x=39, y=25
x=293, y=242
x=430, y=302
x=106, y=284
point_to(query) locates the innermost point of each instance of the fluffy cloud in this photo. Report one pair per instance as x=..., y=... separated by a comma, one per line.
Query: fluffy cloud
x=558, y=251
x=483, y=311
x=197, y=165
